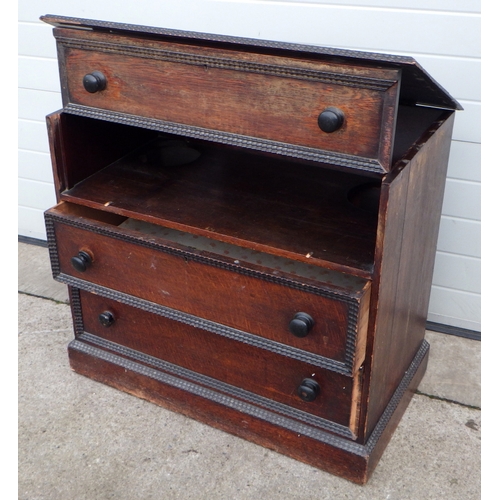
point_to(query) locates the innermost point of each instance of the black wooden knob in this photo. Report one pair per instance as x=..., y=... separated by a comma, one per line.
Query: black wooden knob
x=301, y=324
x=308, y=390
x=95, y=81
x=330, y=120
x=106, y=318
x=82, y=261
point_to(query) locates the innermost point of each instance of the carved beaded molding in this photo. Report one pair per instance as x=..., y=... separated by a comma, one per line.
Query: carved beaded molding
x=269, y=411
x=397, y=396
x=207, y=325
x=254, y=143
x=82, y=23
x=264, y=145
x=344, y=368
x=376, y=84
x=411, y=68
x=220, y=387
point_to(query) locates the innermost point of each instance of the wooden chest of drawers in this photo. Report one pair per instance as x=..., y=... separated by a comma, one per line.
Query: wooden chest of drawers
x=248, y=230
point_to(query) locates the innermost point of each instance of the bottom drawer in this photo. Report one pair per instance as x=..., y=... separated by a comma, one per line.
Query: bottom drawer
x=224, y=363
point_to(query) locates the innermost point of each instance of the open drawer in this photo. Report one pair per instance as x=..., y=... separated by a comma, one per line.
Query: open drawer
x=315, y=314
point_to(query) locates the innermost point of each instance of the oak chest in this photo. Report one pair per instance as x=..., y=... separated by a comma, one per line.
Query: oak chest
x=248, y=230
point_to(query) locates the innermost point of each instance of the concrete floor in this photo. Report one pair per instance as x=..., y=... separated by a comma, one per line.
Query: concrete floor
x=82, y=440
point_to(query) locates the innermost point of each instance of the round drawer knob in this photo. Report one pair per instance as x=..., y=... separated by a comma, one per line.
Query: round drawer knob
x=95, y=81
x=301, y=324
x=82, y=261
x=308, y=390
x=330, y=120
x=106, y=318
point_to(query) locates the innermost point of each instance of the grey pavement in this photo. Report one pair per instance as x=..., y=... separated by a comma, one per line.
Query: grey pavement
x=80, y=440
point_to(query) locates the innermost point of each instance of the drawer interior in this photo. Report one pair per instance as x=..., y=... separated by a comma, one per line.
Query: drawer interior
x=134, y=229
x=313, y=215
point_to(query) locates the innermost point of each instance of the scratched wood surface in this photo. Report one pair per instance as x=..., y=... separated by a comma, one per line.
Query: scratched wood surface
x=260, y=203
x=230, y=325
x=237, y=300
x=261, y=371
x=260, y=96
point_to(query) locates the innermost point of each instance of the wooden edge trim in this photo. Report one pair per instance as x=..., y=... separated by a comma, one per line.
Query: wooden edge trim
x=397, y=396
x=247, y=142
x=234, y=64
x=365, y=456
x=210, y=326
x=352, y=301
x=202, y=385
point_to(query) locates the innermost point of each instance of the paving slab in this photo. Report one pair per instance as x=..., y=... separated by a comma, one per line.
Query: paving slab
x=79, y=439
x=454, y=369
x=35, y=274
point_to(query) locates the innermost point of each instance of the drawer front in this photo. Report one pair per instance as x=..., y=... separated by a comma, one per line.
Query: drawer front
x=270, y=375
x=253, y=100
x=253, y=302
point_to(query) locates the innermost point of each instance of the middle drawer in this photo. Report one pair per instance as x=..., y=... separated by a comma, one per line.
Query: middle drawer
x=242, y=296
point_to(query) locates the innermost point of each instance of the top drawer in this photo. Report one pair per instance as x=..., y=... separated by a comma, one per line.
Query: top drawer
x=277, y=104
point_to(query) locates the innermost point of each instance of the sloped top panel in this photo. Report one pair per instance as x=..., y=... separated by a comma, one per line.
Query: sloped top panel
x=417, y=86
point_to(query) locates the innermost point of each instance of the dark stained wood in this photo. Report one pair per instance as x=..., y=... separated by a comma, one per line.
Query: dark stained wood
x=390, y=427
x=418, y=86
x=260, y=203
x=236, y=300
x=261, y=371
x=268, y=100
x=203, y=332
x=86, y=148
x=355, y=463
x=411, y=206
x=338, y=461
x=55, y=146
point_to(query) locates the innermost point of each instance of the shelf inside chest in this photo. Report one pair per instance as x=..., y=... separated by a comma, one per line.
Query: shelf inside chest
x=301, y=212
